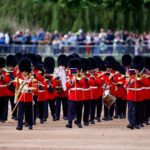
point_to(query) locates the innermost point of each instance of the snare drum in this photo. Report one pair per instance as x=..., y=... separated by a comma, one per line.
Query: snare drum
x=108, y=99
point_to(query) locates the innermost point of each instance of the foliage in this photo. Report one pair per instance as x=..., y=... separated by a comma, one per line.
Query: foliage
x=65, y=15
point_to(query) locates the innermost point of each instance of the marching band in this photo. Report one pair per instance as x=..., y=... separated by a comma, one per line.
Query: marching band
x=83, y=86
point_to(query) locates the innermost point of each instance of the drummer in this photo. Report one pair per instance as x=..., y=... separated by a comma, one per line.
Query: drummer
x=109, y=86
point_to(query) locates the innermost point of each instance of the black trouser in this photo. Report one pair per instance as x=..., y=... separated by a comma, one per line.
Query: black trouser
x=118, y=107
x=146, y=110
x=99, y=107
x=109, y=112
x=64, y=102
x=27, y=109
x=138, y=113
x=41, y=109
x=5, y=110
x=2, y=105
x=79, y=106
x=92, y=109
x=14, y=114
x=35, y=108
x=6, y=102
x=52, y=107
x=46, y=109
x=124, y=107
x=86, y=105
x=71, y=110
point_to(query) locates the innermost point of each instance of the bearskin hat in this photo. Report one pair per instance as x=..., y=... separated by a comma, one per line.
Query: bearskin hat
x=109, y=61
x=137, y=63
x=76, y=55
x=49, y=64
x=62, y=60
x=147, y=63
x=98, y=60
x=11, y=60
x=93, y=63
x=126, y=60
x=75, y=63
x=33, y=58
x=25, y=64
x=39, y=59
x=102, y=66
x=2, y=62
x=18, y=57
x=70, y=57
x=85, y=64
x=116, y=66
x=122, y=70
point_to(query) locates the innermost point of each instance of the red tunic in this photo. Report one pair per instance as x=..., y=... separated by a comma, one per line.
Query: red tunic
x=26, y=92
x=51, y=95
x=75, y=89
x=134, y=90
x=4, y=80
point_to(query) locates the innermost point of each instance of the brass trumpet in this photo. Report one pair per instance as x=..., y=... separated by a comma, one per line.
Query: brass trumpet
x=78, y=76
x=138, y=76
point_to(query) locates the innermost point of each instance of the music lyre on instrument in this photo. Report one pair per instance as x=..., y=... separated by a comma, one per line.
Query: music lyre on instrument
x=60, y=75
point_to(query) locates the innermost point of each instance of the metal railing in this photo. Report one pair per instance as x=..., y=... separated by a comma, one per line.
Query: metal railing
x=83, y=50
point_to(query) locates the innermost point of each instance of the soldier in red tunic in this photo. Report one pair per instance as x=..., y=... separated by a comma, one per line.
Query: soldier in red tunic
x=61, y=95
x=4, y=80
x=99, y=72
x=24, y=93
x=109, y=86
x=11, y=62
x=86, y=90
x=134, y=93
x=126, y=62
x=94, y=91
x=49, y=65
x=75, y=94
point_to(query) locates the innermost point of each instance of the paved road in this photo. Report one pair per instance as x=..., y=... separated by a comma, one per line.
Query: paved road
x=111, y=135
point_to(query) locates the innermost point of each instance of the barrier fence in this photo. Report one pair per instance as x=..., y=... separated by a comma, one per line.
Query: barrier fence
x=83, y=50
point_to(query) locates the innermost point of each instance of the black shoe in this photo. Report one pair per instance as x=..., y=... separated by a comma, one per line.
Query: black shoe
x=105, y=118
x=54, y=119
x=98, y=120
x=69, y=125
x=116, y=117
x=147, y=123
x=41, y=121
x=65, y=118
x=92, y=122
x=130, y=126
x=137, y=127
x=15, y=118
x=26, y=124
x=30, y=127
x=75, y=122
x=44, y=119
x=34, y=123
x=142, y=125
x=18, y=128
x=121, y=117
x=86, y=123
x=110, y=118
x=79, y=125
x=3, y=121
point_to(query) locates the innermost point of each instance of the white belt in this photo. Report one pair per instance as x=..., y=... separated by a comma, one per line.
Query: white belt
x=86, y=89
x=134, y=89
x=93, y=87
x=3, y=85
x=73, y=89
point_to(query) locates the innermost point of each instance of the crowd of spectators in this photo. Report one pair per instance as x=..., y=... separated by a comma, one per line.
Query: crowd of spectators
x=90, y=42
